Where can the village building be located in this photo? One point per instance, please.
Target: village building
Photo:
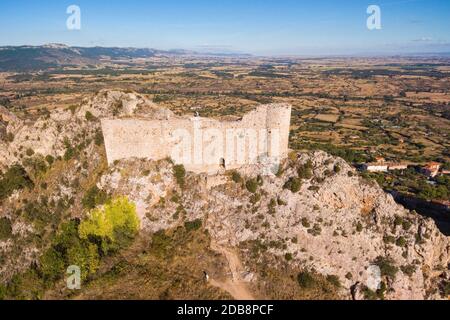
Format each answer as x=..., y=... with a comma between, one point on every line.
x=380, y=165
x=397, y=166
x=431, y=169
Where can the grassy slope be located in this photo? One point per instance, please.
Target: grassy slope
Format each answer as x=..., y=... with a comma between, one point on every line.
x=167, y=266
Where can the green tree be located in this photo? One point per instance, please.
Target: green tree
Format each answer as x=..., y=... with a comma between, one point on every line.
x=85, y=255
x=114, y=225
x=52, y=265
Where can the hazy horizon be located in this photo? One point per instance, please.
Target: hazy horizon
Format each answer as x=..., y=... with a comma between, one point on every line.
x=268, y=28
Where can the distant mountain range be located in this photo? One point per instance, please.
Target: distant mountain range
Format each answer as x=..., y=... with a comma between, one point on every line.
x=34, y=58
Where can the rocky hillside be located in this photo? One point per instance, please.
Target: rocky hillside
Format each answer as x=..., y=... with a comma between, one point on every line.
x=314, y=230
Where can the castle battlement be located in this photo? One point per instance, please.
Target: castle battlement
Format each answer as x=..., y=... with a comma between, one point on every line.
x=203, y=145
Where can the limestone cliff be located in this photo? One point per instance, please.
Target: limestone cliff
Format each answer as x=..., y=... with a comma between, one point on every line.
x=337, y=224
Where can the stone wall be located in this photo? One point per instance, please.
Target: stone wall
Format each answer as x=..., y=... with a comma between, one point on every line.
x=202, y=145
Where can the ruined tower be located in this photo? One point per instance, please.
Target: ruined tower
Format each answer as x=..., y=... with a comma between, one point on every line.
x=203, y=145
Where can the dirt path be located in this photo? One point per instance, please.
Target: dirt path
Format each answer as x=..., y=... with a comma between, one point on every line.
x=235, y=286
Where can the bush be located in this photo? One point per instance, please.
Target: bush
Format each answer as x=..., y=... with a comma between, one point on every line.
x=280, y=202
x=29, y=152
x=369, y=294
x=236, y=177
x=193, y=225
x=114, y=225
x=446, y=289
x=305, y=171
x=306, y=280
x=98, y=138
x=398, y=221
x=252, y=185
x=389, y=239
x=334, y=280
x=52, y=265
x=337, y=168
x=254, y=199
x=70, y=153
x=94, y=197
x=10, y=137
x=50, y=160
x=260, y=180
x=89, y=116
x=36, y=166
x=401, y=242
x=86, y=256
x=359, y=227
x=316, y=230
x=180, y=174
x=3, y=292
x=387, y=267
x=68, y=249
x=406, y=225
x=288, y=257
x=293, y=184
x=5, y=229
x=305, y=223
x=409, y=270
x=15, y=178
x=73, y=109
x=161, y=243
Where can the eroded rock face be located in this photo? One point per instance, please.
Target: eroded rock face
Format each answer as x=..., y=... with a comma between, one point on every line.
x=52, y=135
x=6, y=118
x=338, y=224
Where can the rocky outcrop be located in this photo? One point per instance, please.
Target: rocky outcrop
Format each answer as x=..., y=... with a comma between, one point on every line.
x=337, y=224
x=55, y=133
x=111, y=104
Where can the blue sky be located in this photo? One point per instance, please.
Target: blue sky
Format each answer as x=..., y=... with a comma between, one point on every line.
x=276, y=27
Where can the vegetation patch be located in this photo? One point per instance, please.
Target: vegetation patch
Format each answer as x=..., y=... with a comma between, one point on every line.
x=252, y=185
x=236, y=177
x=16, y=178
x=193, y=225
x=293, y=184
x=113, y=226
x=5, y=229
x=387, y=267
x=180, y=175
x=94, y=197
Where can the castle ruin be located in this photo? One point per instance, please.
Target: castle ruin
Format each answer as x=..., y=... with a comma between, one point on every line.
x=202, y=145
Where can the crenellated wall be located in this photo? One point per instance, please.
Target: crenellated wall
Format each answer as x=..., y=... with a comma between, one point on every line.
x=203, y=145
